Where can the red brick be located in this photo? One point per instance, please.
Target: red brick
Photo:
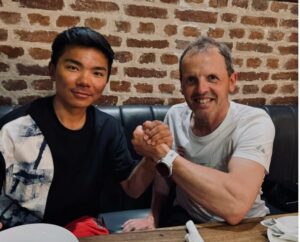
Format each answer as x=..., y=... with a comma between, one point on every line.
x=45, y=4
x=5, y=100
x=14, y=85
x=253, y=62
x=166, y=88
x=158, y=44
x=284, y=100
x=275, y=35
x=173, y=101
x=260, y=5
x=143, y=88
x=42, y=84
x=174, y=75
x=291, y=64
x=181, y=44
x=236, y=33
x=289, y=23
x=95, y=23
x=294, y=9
x=272, y=63
x=36, y=36
x=259, y=21
x=269, y=88
x=285, y=76
x=293, y=37
x=27, y=99
x=3, y=67
x=196, y=16
x=191, y=31
x=144, y=72
x=35, y=18
x=114, y=70
x=237, y=61
x=240, y=3
x=147, y=58
x=250, y=89
x=264, y=48
x=194, y=1
x=123, y=56
x=146, y=28
x=114, y=40
x=251, y=101
x=146, y=11
x=253, y=76
x=10, y=18
x=278, y=6
x=215, y=33
x=120, y=86
x=107, y=100
x=3, y=34
x=169, y=1
x=67, y=21
x=94, y=6
x=218, y=3
x=144, y=101
x=255, y=34
x=11, y=52
x=32, y=70
x=285, y=50
x=39, y=54
x=290, y=88
x=170, y=29
x=229, y=17
x=123, y=26
x=168, y=59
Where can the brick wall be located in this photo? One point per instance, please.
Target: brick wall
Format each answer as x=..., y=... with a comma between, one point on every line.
x=148, y=37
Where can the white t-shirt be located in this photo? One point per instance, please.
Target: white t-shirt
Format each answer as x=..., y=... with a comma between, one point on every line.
x=246, y=132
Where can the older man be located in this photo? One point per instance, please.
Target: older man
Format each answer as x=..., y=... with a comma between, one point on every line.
x=221, y=149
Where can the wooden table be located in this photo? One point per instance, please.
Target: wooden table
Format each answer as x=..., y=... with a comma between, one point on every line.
x=249, y=230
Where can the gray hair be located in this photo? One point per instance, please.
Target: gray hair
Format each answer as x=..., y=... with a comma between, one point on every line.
x=205, y=43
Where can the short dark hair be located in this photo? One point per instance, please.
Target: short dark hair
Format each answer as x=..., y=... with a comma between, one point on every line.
x=205, y=43
x=81, y=36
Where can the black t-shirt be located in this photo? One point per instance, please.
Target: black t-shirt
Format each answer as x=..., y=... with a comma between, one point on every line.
x=81, y=160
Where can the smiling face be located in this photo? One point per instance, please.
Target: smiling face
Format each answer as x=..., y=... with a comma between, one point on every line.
x=206, y=85
x=81, y=75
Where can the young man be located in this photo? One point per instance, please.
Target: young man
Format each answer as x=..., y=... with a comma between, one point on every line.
x=223, y=148
x=55, y=151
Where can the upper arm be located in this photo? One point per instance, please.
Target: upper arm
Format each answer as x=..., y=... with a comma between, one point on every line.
x=248, y=175
x=255, y=140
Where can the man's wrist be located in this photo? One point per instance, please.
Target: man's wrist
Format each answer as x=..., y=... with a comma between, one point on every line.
x=164, y=165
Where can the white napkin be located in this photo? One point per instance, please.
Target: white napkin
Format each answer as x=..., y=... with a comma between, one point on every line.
x=284, y=228
x=193, y=234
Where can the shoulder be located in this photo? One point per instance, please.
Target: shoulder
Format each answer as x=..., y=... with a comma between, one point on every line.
x=103, y=119
x=252, y=119
x=247, y=113
x=179, y=109
x=18, y=112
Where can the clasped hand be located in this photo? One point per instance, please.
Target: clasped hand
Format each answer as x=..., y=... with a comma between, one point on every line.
x=153, y=139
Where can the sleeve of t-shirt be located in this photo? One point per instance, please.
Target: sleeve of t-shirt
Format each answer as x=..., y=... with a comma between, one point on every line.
x=255, y=137
x=123, y=163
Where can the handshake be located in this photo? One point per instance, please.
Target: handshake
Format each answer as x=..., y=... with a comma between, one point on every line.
x=152, y=140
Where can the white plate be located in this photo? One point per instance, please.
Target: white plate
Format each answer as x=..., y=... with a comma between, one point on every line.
x=290, y=221
x=37, y=233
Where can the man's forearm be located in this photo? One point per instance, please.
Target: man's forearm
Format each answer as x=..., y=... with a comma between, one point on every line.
x=140, y=178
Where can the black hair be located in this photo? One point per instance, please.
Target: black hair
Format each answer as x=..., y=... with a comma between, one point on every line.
x=204, y=43
x=81, y=36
